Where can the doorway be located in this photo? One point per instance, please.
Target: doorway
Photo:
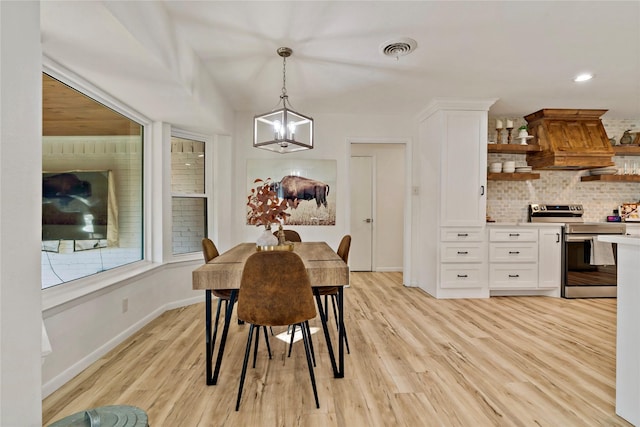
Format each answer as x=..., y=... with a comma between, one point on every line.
x=377, y=198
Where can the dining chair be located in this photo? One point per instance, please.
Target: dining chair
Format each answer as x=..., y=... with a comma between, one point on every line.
x=289, y=235
x=275, y=290
x=332, y=291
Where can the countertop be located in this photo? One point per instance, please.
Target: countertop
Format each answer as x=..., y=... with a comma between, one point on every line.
x=625, y=240
x=525, y=224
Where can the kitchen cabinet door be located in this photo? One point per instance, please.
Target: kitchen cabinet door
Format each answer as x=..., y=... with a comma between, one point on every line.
x=464, y=167
x=550, y=258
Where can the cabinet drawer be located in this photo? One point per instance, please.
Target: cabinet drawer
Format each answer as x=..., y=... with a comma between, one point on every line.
x=461, y=276
x=461, y=234
x=513, y=252
x=461, y=252
x=513, y=235
x=513, y=276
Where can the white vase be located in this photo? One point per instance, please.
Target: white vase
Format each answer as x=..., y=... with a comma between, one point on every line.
x=267, y=238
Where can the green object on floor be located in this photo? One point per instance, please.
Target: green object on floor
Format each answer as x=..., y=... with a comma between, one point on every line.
x=106, y=416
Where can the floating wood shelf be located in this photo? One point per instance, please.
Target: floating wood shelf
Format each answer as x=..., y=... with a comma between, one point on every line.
x=512, y=148
x=611, y=178
x=514, y=176
x=626, y=150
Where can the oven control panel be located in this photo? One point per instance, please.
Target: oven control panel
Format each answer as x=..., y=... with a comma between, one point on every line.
x=555, y=213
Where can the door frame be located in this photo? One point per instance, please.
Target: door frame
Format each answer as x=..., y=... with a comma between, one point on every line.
x=406, y=238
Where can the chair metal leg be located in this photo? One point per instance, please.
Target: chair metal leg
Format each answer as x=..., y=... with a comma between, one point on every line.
x=291, y=328
x=255, y=348
x=244, y=366
x=293, y=332
x=266, y=338
x=313, y=354
x=305, y=338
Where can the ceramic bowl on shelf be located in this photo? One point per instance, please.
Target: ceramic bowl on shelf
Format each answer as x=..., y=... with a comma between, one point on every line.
x=524, y=169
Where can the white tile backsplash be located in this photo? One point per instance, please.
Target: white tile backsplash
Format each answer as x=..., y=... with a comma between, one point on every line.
x=508, y=201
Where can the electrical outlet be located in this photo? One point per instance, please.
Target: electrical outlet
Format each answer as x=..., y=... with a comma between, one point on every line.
x=125, y=305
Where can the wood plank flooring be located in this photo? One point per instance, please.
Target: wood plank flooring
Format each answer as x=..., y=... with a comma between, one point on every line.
x=415, y=361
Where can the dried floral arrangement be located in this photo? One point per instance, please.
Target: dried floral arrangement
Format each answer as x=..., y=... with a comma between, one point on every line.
x=265, y=206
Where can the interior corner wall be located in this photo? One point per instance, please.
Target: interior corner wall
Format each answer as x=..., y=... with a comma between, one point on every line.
x=20, y=185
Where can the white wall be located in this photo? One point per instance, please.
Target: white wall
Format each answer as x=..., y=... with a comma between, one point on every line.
x=332, y=134
x=20, y=185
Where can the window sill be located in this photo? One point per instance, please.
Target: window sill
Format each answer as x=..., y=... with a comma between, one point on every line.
x=59, y=295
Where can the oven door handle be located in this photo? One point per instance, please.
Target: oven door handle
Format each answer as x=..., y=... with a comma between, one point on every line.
x=578, y=237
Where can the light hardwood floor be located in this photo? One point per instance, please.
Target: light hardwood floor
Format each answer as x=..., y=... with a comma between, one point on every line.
x=415, y=361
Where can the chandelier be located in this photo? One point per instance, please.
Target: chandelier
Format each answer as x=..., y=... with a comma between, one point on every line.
x=283, y=130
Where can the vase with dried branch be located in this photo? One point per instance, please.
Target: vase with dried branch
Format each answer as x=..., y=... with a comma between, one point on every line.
x=266, y=208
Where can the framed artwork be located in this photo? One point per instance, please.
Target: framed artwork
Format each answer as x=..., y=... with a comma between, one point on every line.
x=310, y=185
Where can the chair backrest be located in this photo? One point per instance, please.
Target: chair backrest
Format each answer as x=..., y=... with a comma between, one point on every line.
x=209, y=250
x=343, y=248
x=290, y=235
x=275, y=290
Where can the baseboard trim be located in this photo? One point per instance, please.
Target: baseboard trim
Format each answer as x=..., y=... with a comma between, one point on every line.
x=82, y=364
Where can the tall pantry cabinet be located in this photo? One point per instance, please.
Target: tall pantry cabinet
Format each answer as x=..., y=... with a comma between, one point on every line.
x=452, y=163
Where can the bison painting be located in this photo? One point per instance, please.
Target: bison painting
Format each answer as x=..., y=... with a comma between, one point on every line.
x=297, y=188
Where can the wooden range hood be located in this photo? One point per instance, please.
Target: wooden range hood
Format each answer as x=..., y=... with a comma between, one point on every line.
x=570, y=139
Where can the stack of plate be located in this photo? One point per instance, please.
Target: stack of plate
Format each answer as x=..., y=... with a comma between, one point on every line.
x=523, y=169
x=610, y=170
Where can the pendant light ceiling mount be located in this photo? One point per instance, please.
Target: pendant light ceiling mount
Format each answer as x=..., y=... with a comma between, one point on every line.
x=283, y=130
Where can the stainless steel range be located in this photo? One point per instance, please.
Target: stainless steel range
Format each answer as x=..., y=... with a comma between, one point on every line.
x=588, y=266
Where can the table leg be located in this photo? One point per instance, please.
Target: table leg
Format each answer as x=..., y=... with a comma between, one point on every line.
x=207, y=327
x=340, y=373
x=323, y=319
x=225, y=332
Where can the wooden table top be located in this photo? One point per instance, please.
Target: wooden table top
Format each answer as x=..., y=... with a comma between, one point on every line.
x=323, y=264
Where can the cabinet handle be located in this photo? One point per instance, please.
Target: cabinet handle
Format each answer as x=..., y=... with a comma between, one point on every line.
x=463, y=234
x=557, y=237
x=482, y=190
x=462, y=276
x=514, y=275
x=514, y=234
x=463, y=252
x=514, y=252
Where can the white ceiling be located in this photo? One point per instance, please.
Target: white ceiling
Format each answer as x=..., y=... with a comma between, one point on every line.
x=524, y=53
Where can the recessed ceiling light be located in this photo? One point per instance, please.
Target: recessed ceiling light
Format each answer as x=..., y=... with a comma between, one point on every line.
x=583, y=77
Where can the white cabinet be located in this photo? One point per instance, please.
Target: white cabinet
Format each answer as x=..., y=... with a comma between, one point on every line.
x=513, y=258
x=525, y=260
x=451, y=163
x=462, y=258
x=550, y=258
x=463, y=169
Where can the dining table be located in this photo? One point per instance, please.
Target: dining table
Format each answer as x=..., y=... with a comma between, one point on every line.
x=224, y=272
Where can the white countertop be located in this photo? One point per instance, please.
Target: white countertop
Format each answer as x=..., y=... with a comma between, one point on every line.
x=625, y=240
x=525, y=224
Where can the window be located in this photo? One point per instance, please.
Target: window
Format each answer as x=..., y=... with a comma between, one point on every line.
x=92, y=206
x=188, y=192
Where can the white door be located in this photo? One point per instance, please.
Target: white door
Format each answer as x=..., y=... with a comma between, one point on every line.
x=361, y=251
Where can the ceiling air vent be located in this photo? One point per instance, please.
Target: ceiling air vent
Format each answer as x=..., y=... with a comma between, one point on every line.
x=398, y=48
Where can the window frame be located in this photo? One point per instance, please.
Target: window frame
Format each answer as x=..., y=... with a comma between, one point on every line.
x=207, y=195
x=65, y=292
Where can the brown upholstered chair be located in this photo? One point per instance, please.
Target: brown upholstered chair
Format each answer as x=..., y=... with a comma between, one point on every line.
x=332, y=291
x=289, y=235
x=275, y=291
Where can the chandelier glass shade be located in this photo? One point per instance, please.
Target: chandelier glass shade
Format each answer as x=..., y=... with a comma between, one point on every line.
x=283, y=130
